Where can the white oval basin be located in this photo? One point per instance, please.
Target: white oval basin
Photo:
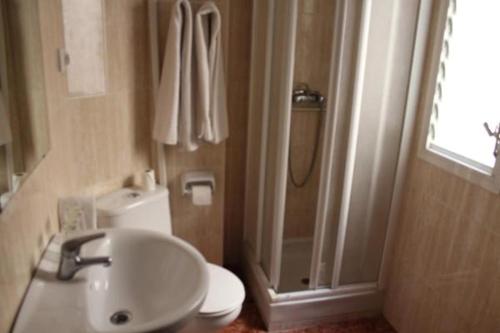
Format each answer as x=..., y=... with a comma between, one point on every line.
x=156, y=283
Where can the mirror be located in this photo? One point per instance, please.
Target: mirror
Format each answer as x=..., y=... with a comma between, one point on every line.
x=24, y=134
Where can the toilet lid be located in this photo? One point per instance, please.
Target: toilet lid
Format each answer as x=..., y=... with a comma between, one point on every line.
x=225, y=292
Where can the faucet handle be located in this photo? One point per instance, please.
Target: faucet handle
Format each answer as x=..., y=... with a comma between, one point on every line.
x=74, y=245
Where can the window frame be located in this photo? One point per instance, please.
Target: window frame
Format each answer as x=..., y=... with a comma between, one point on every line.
x=436, y=19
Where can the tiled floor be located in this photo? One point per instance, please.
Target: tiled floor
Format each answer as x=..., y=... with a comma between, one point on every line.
x=249, y=321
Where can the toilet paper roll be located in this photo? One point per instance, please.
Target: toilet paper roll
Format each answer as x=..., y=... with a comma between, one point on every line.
x=201, y=195
x=149, y=180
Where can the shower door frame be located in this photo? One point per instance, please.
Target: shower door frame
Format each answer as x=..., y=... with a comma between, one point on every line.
x=295, y=309
x=255, y=255
x=328, y=153
x=284, y=129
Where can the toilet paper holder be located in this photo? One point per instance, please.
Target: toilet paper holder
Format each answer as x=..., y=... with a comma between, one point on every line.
x=197, y=178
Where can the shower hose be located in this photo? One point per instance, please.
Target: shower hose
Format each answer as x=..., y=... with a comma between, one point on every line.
x=293, y=178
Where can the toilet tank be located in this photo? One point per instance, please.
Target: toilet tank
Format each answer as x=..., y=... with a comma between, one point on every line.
x=134, y=208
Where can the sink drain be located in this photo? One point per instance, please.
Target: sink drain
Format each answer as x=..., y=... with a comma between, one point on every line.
x=121, y=317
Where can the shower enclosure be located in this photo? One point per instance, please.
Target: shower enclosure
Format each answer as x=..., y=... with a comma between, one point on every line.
x=327, y=112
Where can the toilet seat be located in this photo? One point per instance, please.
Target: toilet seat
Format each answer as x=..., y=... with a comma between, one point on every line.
x=226, y=293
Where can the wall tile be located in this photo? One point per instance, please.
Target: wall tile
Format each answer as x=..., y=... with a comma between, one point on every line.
x=97, y=143
x=101, y=143
x=447, y=247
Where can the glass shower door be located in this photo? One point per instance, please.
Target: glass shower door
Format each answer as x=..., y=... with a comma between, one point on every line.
x=331, y=89
x=311, y=77
x=276, y=128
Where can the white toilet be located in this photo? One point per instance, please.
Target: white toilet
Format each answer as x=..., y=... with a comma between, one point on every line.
x=132, y=208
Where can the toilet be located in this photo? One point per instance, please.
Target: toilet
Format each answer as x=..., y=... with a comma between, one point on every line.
x=134, y=208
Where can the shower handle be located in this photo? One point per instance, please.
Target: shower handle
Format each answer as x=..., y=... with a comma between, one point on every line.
x=302, y=94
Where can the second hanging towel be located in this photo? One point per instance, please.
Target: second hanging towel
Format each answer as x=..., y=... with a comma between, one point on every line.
x=211, y=108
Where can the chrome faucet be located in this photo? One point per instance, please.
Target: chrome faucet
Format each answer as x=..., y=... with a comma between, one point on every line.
x=71, y=262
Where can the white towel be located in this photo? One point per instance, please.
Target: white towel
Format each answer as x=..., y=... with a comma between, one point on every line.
x=5, y=133
x=174, y=115
x=211, y=111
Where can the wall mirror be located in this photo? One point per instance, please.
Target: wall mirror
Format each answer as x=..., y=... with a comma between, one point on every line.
x=24, y=132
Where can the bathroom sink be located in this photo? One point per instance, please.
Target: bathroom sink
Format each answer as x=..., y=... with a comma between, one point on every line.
x=156, y=283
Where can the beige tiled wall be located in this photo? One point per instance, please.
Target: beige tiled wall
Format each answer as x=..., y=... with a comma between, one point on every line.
x=217, y=230
x=103, y=142
x=238, y=65
x=446, y=267
x=201, y=226
x=97, y=143
x=100, y=143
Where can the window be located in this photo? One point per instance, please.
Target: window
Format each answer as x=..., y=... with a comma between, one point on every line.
x=464, y=106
